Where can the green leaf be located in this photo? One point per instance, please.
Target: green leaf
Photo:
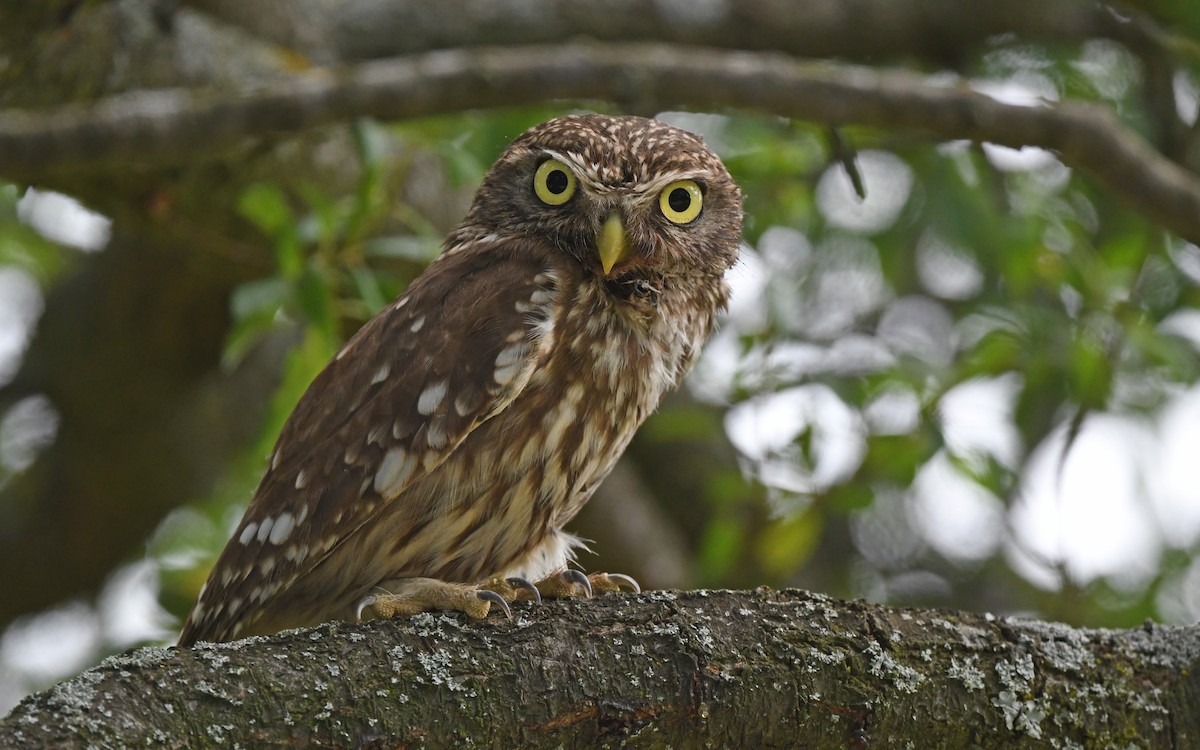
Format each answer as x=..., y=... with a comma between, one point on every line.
x=267, y=208
x=366, y=283
x=317, y=305
x=1089, y=372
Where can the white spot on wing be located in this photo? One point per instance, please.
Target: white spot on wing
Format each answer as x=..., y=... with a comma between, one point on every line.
x=395, y=469
x=512, y=354
x=504, y=375
x=431, y=398
x=248, y=532
x=264, y=529
x=417, y=324
x=282, y=528
x=381, y=374
x=301, y=479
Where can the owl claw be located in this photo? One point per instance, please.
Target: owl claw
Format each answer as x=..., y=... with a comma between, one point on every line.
x=622, y=580
x=488, y=595
x=363, y=603
x=523, y=584
x=579, y=579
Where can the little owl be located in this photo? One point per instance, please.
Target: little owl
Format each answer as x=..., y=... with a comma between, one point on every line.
x=436, y=459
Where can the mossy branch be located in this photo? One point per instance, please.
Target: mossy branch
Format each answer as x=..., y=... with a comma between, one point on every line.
x=679, y=669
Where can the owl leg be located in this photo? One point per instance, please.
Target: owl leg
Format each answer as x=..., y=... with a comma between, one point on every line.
x=410, y=596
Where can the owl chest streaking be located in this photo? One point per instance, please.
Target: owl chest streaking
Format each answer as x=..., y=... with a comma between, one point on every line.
x=461, y=428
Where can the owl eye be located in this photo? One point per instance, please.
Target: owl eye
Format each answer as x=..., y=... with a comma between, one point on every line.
x=554, y=183
x=681, y=201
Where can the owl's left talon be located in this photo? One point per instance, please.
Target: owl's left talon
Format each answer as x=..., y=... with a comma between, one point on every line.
x=488, y=595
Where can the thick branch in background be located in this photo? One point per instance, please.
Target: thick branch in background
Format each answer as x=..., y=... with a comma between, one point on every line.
x=940, y=31
x=75, y=51
x=177, y=125
x=696, y=669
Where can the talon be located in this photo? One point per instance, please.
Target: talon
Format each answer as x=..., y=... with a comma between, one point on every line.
x=523, y=584
x=622, y=579
x=488, y=595
x=366, y=601
x=579, y=579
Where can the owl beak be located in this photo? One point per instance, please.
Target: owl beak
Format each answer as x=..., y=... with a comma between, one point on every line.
x=612, y=242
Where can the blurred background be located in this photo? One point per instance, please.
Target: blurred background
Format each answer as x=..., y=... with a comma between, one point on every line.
x=952, y=374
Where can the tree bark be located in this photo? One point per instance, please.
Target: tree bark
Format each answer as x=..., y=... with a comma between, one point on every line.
x=678, y=669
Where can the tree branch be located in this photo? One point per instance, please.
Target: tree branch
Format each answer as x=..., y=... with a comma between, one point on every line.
x=177, y=125
x=696, y=669
x=937, y=31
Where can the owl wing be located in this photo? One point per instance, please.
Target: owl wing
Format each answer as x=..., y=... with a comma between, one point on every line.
x=454, y=350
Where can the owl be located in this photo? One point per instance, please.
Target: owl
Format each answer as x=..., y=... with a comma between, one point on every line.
x=435, y=461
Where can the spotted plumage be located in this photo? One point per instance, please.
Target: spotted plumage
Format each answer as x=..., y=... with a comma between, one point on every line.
x=459, y=430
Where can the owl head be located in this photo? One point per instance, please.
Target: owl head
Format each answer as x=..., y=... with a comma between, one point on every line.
x=622, y=195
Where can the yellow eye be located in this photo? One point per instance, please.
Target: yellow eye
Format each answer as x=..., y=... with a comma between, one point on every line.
x=554, y=183
x=681, y=201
